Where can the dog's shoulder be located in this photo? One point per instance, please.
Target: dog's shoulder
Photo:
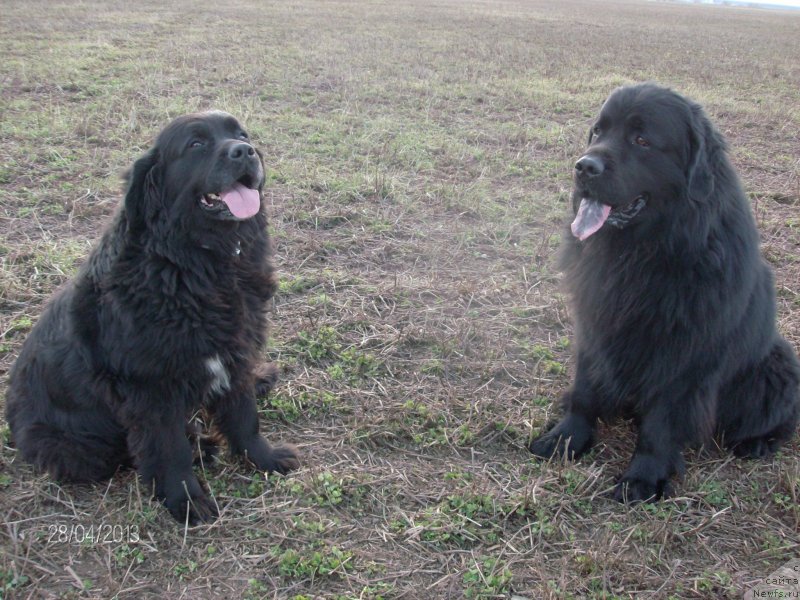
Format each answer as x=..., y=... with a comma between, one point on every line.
x=107, y=250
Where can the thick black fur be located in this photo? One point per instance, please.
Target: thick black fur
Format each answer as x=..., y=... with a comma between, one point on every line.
x=166, y=317
x=674, y=309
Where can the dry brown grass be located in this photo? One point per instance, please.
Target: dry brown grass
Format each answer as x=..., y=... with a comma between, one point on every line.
x=419, y=161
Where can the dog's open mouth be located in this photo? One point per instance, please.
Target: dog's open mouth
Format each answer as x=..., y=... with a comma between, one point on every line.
x=240, y=201
x=593, y=214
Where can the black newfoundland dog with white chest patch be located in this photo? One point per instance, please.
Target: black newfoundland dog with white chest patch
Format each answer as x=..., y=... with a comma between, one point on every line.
x=166, y=317
x=674, y=306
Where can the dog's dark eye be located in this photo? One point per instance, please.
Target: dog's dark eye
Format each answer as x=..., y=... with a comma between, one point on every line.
x=244, y=135
x=595, y=130
x=195, y=143
x=641, y=141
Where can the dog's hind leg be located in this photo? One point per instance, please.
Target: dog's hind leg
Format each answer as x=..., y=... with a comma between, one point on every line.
x=759, y=408
x=72, y=457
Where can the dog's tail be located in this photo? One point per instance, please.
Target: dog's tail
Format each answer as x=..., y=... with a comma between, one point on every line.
x=68, y=457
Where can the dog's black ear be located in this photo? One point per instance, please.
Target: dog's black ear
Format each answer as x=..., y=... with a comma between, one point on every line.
x=144, y=190
x=263, y=169
x=702, y=140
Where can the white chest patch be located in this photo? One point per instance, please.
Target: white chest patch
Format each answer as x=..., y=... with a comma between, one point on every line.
x=220, y=378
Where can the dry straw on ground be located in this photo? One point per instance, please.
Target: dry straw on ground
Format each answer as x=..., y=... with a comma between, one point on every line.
x=419, y=160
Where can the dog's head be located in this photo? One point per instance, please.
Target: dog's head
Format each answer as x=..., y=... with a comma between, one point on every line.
x=202, y=174
x=648, y=150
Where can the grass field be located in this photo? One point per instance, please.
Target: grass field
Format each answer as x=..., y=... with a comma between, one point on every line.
x=419, y=160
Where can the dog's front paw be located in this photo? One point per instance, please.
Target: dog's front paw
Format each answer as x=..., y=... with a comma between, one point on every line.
x=188, y=502
x=571, y=437
x=548, y=445
x=281, y=458
x=194, y=511
x=647, y=478
x=632, y=490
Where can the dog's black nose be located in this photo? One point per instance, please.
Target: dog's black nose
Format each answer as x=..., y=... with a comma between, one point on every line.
x=589, y=166
x=241, y=151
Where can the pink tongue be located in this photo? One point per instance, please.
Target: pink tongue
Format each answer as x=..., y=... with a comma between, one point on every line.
x=242, y=201
x=591, y=216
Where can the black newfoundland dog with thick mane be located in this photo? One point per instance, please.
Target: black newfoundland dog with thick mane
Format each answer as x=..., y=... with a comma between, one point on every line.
x=166, y=317
x=674, y=306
